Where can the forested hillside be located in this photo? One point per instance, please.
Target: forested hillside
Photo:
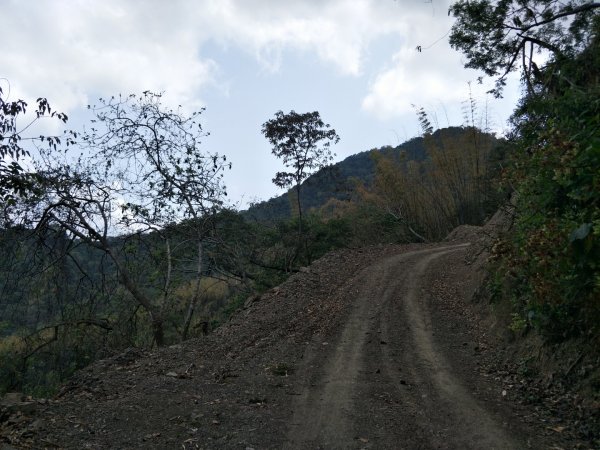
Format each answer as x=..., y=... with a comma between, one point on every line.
x=337, y=181
x=341, y=180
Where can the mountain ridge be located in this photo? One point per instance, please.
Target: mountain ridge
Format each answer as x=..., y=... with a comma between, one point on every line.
x=338, y=180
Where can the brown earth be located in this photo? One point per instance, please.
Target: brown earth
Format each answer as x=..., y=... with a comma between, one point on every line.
x=377, y=348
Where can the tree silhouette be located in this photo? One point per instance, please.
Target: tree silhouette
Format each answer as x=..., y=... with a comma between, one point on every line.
x=15, y=180
x=302, y=142
x=498, y=36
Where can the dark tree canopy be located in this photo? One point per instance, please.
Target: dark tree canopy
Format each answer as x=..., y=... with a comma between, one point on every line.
x=499, y=36
x=302, y=141
x=15, y=180
x=553, y=249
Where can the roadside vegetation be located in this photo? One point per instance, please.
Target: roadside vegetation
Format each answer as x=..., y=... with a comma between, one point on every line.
x=548, y=266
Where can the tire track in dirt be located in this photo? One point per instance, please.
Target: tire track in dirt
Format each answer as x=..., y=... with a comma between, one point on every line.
x=453, y=417
x=320, y=416
x=358, y=399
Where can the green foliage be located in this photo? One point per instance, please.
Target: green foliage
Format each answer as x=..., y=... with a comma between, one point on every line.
x=497, y=36
x=10, y=374
x=518, y=323
x=455, y=184
x=42, y=289
x=551, y=259
x=424, y=121
x=234, y=304
x=336, y=182
x=302, y=142
x=61, y=351
x=555, y=252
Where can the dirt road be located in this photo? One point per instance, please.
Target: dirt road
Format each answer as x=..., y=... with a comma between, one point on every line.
x=368, y=348
x=385, y=382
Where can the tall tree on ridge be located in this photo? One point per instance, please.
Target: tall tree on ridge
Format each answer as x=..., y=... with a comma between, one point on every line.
x=302, y=142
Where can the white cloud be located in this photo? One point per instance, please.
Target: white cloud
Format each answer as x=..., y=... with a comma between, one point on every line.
x=339, y=32
x=434, y=78
x=407, y=82
x=73, y=49
x=438, y=84
x=424, y=71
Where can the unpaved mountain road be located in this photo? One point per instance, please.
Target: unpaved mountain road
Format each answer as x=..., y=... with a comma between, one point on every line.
x=373, y=348
x=385, y=381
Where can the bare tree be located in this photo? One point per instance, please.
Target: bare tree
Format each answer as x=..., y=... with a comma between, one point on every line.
x=145, y=170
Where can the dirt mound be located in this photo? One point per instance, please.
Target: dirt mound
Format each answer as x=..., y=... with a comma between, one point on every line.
x=464, y=233
x=499, y=223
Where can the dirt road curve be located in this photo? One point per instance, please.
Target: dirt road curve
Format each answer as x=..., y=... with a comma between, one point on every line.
x=386, y=351
x=375, y=348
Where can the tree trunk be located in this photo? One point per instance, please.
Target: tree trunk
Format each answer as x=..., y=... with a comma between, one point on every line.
x=167, y=286
x=299, y=211
x=142, y=299
x=194, y=300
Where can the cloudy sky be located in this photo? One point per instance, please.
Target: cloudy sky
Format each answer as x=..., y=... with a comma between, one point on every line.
x=354, y=61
